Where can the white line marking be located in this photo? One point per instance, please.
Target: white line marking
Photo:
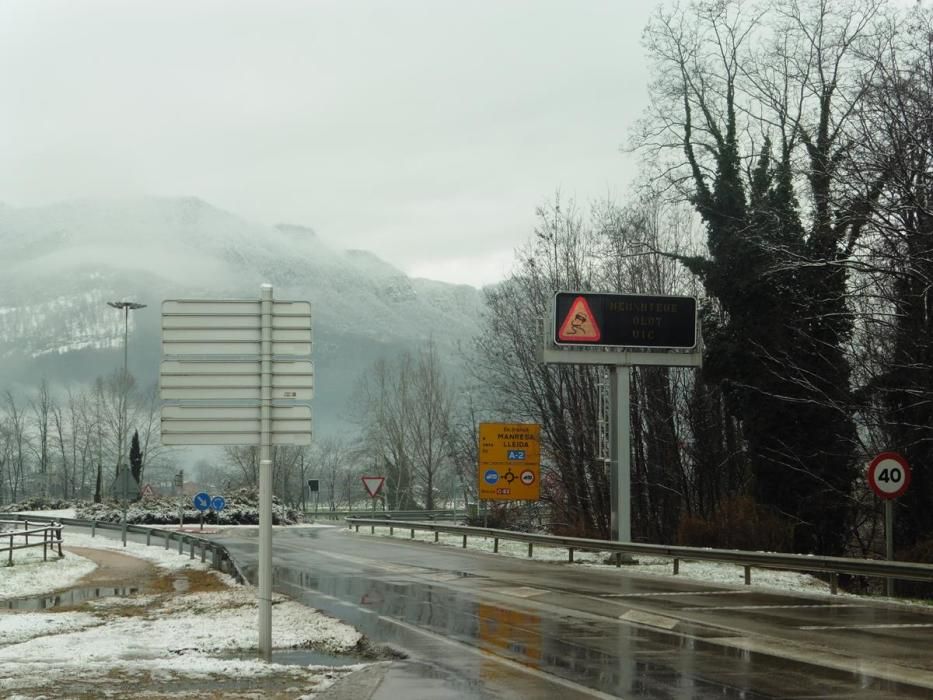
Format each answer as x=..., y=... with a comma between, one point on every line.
x=647, y=595
x=646, y=618
x=867, y=627
x=772, y=607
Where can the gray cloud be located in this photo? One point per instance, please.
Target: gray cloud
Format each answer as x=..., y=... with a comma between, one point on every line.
x=426, y=131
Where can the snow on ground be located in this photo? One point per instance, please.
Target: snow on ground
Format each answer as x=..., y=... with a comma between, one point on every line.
x=190, y=643
x=708, y=572
x=29, y=575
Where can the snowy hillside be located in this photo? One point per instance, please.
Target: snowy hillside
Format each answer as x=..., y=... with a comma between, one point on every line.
x=60, y=264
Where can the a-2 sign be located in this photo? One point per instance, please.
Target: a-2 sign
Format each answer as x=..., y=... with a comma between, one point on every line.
x=889, y=475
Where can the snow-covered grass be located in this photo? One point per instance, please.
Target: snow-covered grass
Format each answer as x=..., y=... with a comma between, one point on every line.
x=168, y=642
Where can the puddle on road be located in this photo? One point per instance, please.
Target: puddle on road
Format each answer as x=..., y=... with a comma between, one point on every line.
x=72, y=596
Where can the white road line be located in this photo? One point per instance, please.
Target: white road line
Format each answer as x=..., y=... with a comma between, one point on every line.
x=646, y=618
x=677, y=593
x=773, y=607
x=868, y=627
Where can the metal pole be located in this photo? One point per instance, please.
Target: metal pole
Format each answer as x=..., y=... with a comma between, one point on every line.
x=889, y=542
x=265, y=476
x=620, y=478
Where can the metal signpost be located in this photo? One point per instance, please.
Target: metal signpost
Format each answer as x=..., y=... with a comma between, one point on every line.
x=889, y=477
x=179, y=490
x=509, y=462
x=202, y=501
x=239, y=372
x=126, y=486
x=622, y=331
x=314, y=488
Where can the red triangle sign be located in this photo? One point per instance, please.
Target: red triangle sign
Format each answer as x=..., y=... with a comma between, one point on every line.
x=373, y=484
x=580, y=325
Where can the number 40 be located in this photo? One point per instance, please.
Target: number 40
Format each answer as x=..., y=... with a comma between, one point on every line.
x=892, y=476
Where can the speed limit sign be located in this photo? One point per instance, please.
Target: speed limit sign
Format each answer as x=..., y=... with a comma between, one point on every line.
x=889, y=475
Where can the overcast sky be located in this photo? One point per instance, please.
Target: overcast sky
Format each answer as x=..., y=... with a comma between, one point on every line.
x=425, y=131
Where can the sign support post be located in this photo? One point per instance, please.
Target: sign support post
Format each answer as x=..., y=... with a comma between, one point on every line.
x=889, y=542
x=621, y=331
x=889, y=476
x=620, y=446
x=265, y=475
x=239, y=372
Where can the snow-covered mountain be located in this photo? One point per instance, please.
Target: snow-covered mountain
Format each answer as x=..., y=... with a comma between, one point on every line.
x=60, y=264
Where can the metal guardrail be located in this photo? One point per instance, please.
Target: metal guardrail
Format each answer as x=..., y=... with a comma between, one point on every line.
x=747, y=559
x=440, y=514
x=47, y=537
x=220, y=557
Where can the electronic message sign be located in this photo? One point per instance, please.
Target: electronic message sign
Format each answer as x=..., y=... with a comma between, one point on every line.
x=625, y=320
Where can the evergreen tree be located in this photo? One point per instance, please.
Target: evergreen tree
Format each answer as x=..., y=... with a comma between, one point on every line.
x=136, y=457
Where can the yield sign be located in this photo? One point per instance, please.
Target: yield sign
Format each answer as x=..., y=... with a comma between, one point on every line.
x=580, y=324
x=373, y=484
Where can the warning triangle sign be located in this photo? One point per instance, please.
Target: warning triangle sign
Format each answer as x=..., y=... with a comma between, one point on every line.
x=580, y=325
x=373, y=484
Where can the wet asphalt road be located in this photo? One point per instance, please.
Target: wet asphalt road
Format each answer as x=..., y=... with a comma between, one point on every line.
x=477, y=625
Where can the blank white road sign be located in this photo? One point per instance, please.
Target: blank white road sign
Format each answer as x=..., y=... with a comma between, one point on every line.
x=211, y=380
x=233, y=425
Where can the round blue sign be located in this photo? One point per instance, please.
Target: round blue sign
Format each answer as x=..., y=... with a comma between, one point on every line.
x=202, y=501
x=218, y=503
x=491, y=476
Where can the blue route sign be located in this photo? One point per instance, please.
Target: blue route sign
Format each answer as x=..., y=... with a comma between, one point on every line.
x=491, y=476
x=218, y=503
x=517, y=454
x=202, y=501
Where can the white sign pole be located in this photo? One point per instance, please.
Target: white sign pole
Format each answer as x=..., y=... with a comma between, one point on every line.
x=265, y=477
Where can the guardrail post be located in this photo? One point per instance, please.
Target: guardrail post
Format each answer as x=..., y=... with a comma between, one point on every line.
x=167, y=536
x=464, y=541
x=27, y=533
x=372, y=529
x=570, y=555
x=531, y=546
x=181, y=544
x=93, y=528
x=202, y=552
x=45, y=544
x=834, y=583
x=618, y=559
x=148, y=537
x=437, y=535
x=676, y=566
x=191, y=556
x=60, y=555
x=357, y=527
x=10, y=562
x=495, y=545
x=123, y=529
x=413, y=533
x=748, y=575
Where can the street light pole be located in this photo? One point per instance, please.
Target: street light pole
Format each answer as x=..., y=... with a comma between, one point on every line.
x=127, y=306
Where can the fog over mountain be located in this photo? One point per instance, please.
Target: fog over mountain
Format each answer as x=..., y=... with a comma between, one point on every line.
x=61, y=264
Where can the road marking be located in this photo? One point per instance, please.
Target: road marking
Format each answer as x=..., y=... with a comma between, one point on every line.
x=524, y=591
x=647, y=595
x=773, y=607
x=645, y=618
x=868, y=627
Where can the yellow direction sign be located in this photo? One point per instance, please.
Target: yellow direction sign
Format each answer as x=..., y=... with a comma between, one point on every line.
x=509, y=461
